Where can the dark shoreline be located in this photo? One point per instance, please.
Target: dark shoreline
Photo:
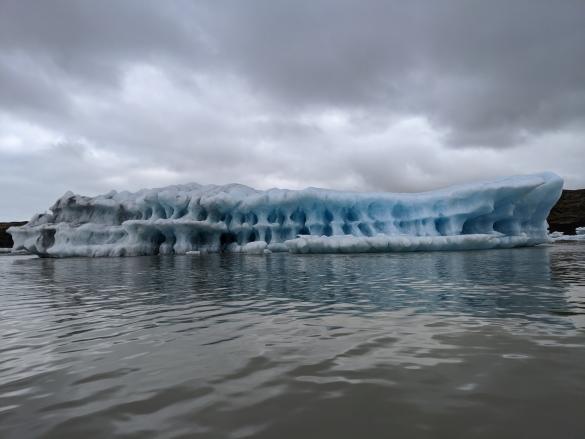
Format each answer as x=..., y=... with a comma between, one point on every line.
x=568, y=213
x=5, y=238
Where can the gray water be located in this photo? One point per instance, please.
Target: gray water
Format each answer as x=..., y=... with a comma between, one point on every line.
x=440, y=345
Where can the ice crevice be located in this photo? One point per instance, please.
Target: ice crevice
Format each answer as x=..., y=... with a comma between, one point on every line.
x=507, y=212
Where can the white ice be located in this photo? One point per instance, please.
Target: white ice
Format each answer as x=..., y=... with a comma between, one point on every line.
x=560, y=236
x=507, y=212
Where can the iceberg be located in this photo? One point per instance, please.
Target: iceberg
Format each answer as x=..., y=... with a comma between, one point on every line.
x=196, y=219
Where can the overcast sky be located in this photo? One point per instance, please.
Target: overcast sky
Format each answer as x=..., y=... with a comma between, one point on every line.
x=362, y=95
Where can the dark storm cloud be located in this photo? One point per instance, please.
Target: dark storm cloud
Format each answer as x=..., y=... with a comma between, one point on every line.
x=82, y=44
x=382, y=95
x=487, y=71
x=80, y=35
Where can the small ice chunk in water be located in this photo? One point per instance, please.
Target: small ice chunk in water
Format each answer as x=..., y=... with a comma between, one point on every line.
x=255, y=248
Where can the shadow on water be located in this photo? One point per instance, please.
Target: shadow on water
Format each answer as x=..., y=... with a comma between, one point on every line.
x=444, y=344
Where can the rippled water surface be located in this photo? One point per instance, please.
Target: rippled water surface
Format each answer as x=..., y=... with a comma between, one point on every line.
x=460, y=344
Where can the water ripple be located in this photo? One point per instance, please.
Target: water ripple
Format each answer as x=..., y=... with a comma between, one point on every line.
x=420, y=344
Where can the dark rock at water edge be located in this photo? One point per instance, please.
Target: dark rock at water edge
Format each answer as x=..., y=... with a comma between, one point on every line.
x=5, y=238
x=568, y=213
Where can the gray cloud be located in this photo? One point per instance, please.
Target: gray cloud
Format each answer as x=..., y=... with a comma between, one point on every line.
x=372, y=95
x=487, y=71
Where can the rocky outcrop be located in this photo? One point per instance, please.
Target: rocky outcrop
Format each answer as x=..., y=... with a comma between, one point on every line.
x=5, y=238
x=568, y=213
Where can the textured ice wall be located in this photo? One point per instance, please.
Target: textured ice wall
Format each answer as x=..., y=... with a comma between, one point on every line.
x=507, y=212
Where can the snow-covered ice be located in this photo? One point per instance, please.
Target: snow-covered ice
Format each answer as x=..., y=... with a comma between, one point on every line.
x=507, y=212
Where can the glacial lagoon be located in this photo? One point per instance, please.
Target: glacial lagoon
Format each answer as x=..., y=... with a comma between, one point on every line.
x=443, y=344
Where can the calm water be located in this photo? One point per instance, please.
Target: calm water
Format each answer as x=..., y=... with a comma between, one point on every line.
x=463, y=344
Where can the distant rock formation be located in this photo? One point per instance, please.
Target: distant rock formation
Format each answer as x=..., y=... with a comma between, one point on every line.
x=568, y=213
x=5, y=238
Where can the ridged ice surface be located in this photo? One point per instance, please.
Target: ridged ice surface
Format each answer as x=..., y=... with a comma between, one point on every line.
x=508, y=212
